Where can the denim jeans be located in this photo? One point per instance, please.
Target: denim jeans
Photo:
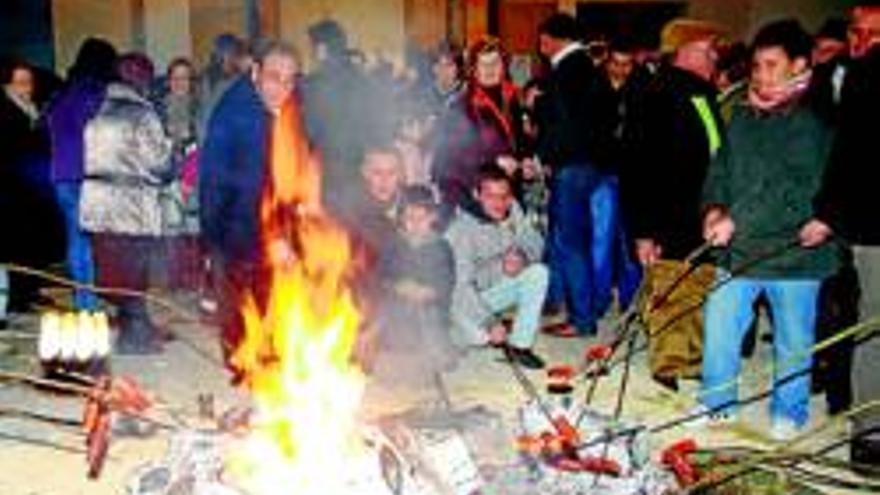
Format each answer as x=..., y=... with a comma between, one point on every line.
x=526, y=292
x=80, y=261
x=581, y=248
x=728, y=314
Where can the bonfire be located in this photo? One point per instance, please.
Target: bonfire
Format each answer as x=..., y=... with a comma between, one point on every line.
x=296, y=355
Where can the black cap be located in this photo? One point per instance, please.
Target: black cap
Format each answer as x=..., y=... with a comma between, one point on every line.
x=561, y=26
x=834, y=28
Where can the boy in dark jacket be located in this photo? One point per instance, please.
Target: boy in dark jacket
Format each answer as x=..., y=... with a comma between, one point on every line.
x=418, y=275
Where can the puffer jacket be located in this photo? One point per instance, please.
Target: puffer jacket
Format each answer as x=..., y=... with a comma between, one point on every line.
x=127, y=160
x=479, y=245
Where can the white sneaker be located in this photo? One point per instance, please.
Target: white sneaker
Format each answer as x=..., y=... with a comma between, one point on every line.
x=715, y=419
x=784, y=430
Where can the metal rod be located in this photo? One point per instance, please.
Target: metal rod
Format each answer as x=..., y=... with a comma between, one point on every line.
x=621, y=394
x=58, y=385
x=736, y=271
x=53, y=420
x=527, y=385
x=626, y=319
x=41, y=443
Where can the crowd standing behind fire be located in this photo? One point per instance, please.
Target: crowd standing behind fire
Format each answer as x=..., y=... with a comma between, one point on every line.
x=484, y=208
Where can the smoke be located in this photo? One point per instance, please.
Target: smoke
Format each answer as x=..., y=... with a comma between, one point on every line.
x=372, y=126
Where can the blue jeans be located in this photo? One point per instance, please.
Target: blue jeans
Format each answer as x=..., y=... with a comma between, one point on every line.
x=526, y=292
x=80, y=262
x=728, y=314
x=584, y=228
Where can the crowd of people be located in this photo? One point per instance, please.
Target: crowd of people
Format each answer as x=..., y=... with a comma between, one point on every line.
x=486, y=207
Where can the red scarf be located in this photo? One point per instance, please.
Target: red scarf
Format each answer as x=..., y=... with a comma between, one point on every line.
x=480, y=101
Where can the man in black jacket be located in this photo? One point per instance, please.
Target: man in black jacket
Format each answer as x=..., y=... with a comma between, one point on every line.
x=679, y=131
x=575, y=134
x=846, y=207
x=676, y=133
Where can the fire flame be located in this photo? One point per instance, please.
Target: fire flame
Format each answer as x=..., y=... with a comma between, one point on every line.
x=296, y=353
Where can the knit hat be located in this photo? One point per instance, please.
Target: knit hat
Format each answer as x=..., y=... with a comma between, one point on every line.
x=681, y=31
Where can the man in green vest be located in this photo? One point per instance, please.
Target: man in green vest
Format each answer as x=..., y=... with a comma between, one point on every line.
x=676, y=132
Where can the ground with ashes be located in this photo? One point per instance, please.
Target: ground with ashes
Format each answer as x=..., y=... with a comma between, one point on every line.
x=187, y=369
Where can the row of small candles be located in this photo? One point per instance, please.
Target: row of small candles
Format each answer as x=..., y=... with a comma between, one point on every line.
x=74, y=337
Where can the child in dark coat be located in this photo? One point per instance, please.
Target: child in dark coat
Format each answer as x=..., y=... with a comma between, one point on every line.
x=418, y=276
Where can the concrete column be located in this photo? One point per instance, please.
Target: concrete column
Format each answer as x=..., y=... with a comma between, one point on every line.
x=208, y=18
x=75, y=20
x=167, y=31
x=476, y=20
x=375, y=27
x=270, y=17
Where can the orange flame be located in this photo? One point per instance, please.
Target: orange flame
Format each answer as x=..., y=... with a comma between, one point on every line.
x=296, y=353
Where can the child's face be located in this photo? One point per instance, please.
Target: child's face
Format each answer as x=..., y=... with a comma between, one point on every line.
x=418, y=220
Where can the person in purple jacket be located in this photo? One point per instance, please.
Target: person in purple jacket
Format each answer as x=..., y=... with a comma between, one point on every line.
x=69, y=112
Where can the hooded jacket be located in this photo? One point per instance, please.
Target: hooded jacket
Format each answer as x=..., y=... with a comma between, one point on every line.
x=479, y=245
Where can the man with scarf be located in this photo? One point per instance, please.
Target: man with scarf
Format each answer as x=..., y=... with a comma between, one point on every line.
x=482, y=126
x=757, y=196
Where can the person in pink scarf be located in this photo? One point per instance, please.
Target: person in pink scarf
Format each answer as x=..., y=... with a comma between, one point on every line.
x=758, y=196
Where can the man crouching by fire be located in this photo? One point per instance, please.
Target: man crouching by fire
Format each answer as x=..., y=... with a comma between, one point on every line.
x=496, y=253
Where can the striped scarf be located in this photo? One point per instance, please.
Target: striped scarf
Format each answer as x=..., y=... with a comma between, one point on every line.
x=775, y=98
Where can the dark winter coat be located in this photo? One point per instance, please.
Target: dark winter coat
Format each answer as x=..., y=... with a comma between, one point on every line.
x=767, y=174
x=575, y=119
x=417, y=327
x=231, y=173
x=342, y=112
x=67, y=115
x=31, y=224
x=481, y=126
x=672, y=151
x=849, y=193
